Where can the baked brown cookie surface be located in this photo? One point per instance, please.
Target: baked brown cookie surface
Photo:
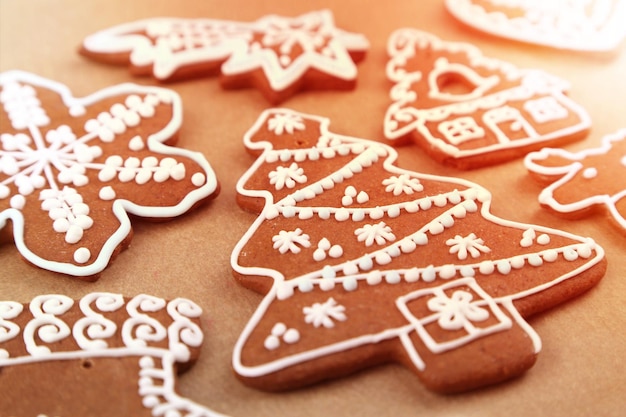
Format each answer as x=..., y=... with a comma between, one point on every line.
x=361, y=263
x=468, y=110
x=72, y=170
x=278, y=55
x=102, y=355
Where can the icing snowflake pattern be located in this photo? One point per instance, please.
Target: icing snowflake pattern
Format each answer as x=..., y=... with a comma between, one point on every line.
x=291, y=241
x=370, y=233
x=469, y=244
x=288, y=123
x=417, y=267
x=55, y=165
x=287, y=176
x=402, y=184
x=324, y=314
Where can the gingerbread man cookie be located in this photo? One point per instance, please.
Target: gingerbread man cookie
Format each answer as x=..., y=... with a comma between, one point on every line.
x=583, y=25
x=361, y=263
x=583, y=181
x=467, y=110
x=279, y=55
x=127, y=351
x=73, y=169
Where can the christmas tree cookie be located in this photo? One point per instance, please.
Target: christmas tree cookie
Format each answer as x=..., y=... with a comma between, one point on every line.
x=361, y=262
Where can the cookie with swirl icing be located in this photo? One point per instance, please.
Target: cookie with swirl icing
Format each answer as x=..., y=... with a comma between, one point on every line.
x=361, y=262
x=72, y=170
x=112, y=355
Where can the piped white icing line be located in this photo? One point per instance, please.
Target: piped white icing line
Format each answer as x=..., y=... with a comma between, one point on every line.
x=406, y=114
x=452, y=312
x=584, y=25
x=93, y=333
x=264, y=44
x=27, y=159
x=579, y=168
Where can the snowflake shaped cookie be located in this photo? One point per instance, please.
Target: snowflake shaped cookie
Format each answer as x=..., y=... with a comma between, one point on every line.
x=468, y=110
x=279, y=55
x=585, y=25
x=71, y=170
x=581, y=181
x=77, y=339
x=417, y=270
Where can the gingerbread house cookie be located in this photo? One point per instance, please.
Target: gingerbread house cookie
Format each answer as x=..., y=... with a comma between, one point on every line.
x=583, y=25
x=468, y=110
x=127, y=351
x=581, y=182
x=72, y=170
x=361, y=263
x=278, y=55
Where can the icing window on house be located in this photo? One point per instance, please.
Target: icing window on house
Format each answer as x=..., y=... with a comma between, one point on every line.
x=545, y=109
x=461, y=130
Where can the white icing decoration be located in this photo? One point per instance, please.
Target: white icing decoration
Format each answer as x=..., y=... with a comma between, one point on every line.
x=583, y=165
x=291, y=241
x=447, y=121
x=285, y=123
x=182, y=42
x=45, y=160
x=82, y=255
x=379, y=233
x=400, y=257
x=469, y=244
x=287, y=176
x=97, y=336
x=324, y=314
x=577, y=25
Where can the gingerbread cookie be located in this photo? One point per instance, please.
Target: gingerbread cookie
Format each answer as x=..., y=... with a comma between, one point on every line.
x=467, y=110
x=363, y=263
x=279, y=55
x=112, y=356
x=584, y=25
x=583, y=181
x=73, y=169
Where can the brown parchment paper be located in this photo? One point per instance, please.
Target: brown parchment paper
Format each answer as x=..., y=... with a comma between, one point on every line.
x=580, y=370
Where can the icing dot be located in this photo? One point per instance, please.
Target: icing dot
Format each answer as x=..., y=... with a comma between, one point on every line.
x=412, y=275
x=392, y=277
x=550, y=255
x=82, y=255
x=136, y=143
x=383, y=258
x=342, y=214
x=543, y=239
x=291, y=336
x=335, y=251
x=279, y=329
x=584, y=251
x=350, y=268
x=17, y=201
x=305, y=285
x=284, y=291
x=486, y=267
x=429, y=274
x=467, y=271
x=570, y=254
x=535, y=260
x=366, y=263
x=407, y=246
x=350, y=284
x=590, y=173
x=518, y=262
x=327, y=284
x=374, y=278
x=447, y=271
x=271, y=342
x=503, y=266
